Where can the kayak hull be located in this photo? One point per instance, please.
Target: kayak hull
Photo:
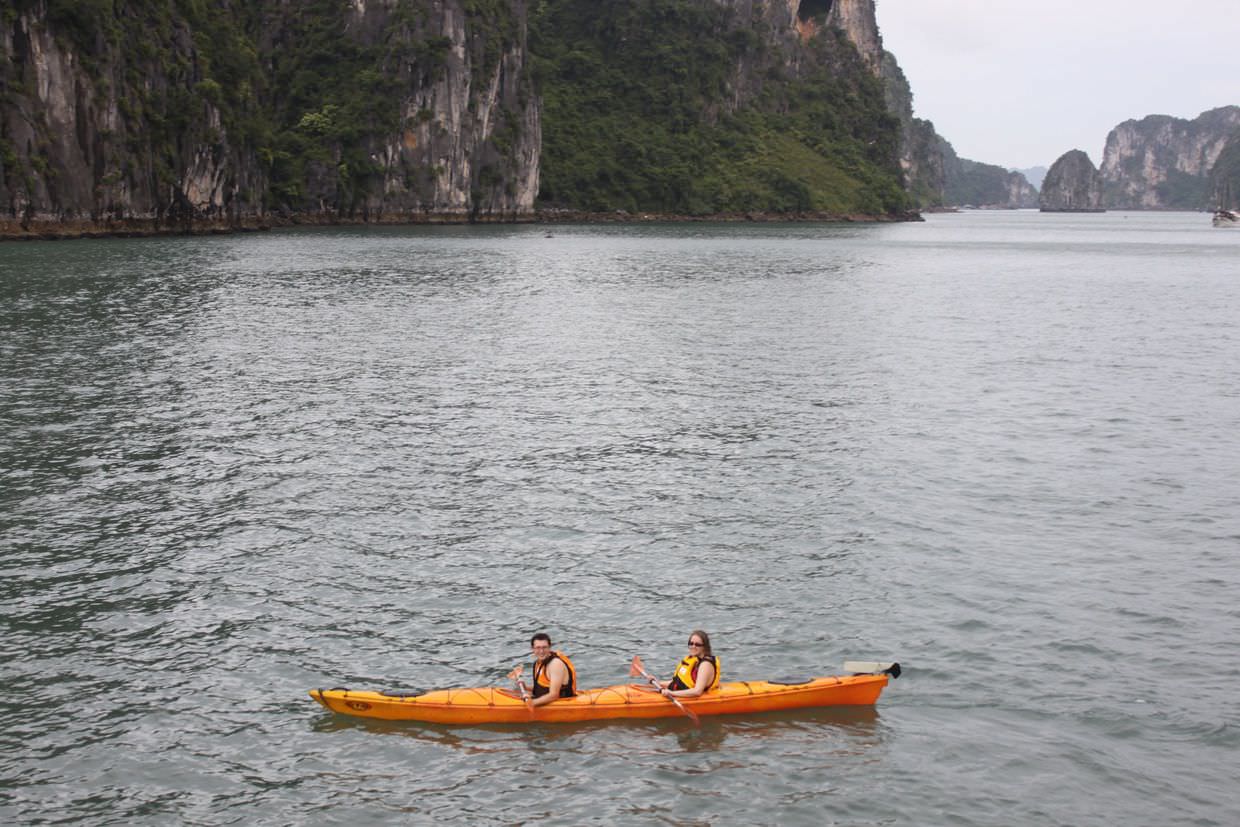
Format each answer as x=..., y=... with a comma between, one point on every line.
x=489, y=705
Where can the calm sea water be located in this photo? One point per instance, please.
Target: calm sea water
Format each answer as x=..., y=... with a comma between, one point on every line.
x=1001, y=448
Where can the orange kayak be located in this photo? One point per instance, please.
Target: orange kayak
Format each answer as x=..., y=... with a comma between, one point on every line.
x=492, y=706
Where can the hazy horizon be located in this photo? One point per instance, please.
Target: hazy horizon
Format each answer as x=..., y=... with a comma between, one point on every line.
x=1011, y=84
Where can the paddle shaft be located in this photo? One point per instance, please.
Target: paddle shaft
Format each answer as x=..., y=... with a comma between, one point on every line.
x=655, y=683
x=515, y=677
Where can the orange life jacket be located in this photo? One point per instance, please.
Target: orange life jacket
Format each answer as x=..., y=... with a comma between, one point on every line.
x=541, y=683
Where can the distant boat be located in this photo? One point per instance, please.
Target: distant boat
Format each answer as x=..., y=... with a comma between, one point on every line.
x=1226, y=218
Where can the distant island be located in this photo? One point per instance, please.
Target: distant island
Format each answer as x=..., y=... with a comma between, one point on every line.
x=1072, y=184
x=1034, y=175
x=1156, y=163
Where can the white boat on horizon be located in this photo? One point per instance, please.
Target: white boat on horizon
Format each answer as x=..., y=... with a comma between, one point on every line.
x=1226, y=218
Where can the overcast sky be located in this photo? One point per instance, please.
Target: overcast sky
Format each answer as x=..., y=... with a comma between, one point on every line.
x=1020, y=83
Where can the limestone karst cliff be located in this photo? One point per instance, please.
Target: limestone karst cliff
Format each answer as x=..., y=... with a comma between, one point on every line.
x=725, y=106
x=127, y=116
x=1073, y=184
x=921, y=158
x=1034, y=175
x=1160, y=162
x=934, y=174
x=97, y=127
x=924, y=167
x=969, y=183
x=119, y=116
x=1225, y=177
x=1021, y=194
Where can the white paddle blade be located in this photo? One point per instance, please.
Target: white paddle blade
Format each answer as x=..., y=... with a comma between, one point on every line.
x=862, y=667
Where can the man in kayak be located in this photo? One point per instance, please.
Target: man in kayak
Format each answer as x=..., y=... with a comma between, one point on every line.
x=554, y=674
x=697, y=673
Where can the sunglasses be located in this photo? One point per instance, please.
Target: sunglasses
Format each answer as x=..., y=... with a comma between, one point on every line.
x=696, y=643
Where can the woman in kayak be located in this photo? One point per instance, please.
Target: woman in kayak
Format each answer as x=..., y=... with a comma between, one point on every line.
x=697, y=673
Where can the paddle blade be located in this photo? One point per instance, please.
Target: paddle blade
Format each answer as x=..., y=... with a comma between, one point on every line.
x=515, y=677
x=692, y=715
x=635, y=667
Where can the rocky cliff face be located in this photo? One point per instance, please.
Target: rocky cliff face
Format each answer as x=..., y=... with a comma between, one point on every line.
x=79, y=136
x=1034, y=176
x=698, y=107
x=972, y=184
x=1160, y=162
x=933, y=174
x=789, y=20
x=1021, y=194
x=1225, y=177
x=196, y=115
x=859, y=22
x=203, y=114
x=807, y=18
x=923, y=166
x=922, y=161
x=465, y=143
x=1073, y=184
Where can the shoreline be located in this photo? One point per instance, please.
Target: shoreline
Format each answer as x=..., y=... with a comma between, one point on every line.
x=552, y=216
x=52, y=230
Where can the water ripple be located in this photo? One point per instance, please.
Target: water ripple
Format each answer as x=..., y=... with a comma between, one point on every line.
x=999, y=448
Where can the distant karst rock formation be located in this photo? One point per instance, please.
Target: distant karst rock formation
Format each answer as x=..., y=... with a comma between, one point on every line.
x=1225, y=177
x=934, y=174
x=1073, y=184
x=1034, y=175
x=973, y=184
x=1022, y=193
x=1162, y=163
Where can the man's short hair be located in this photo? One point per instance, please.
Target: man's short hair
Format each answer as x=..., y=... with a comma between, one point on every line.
x=540, y=636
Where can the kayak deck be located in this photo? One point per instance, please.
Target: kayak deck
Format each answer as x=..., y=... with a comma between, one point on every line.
x=491, y=705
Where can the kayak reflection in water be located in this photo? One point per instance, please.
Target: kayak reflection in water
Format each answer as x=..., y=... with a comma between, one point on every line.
x=697, y=673
x=554, y=675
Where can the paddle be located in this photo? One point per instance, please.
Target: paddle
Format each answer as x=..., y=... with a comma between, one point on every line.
x=515, y=677
x=637, y=670
x=866, y=667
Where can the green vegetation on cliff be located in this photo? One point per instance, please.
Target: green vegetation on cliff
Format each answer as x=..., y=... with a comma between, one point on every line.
x=673, y=106
x=1225, y=176
x=335, y=93
x=164, y=64
x=637, y=114
x=976, y=184
x=342, y=92
x=302, y=105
